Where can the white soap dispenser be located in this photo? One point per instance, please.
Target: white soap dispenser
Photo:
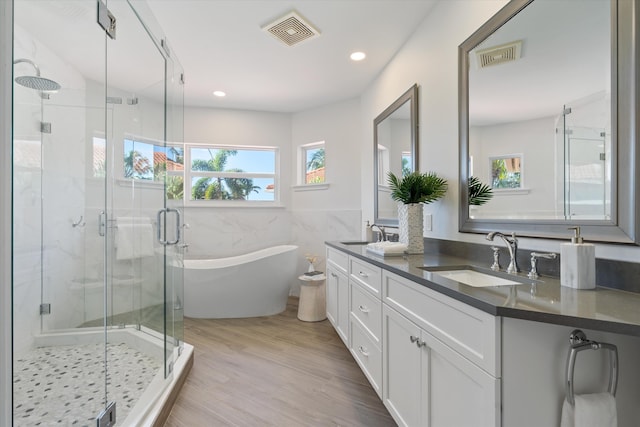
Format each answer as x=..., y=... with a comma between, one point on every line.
x=369, y=232
x=578, y=263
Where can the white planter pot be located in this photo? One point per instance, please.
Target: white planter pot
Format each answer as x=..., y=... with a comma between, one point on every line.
x=410, y=224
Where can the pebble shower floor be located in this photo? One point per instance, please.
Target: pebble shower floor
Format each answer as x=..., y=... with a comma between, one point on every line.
x=64, y=385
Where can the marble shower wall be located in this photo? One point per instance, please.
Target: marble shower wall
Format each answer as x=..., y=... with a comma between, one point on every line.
x=49, y=170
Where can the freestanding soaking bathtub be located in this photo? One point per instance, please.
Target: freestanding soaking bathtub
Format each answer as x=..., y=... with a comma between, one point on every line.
x=250, y=285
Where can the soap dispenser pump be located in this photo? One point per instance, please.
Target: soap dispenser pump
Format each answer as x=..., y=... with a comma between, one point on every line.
x=578, y=263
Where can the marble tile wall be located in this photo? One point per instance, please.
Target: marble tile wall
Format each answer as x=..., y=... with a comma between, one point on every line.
x=222, y=232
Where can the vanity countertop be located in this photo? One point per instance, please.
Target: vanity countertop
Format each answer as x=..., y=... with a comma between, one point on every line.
x=542, y=300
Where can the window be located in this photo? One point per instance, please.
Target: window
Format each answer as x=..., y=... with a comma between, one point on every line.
x=506, y=172
x=227, y=174
x=215, y=173
x=407, y=163
x=147, y=161
x=312, y=163
x=99, y=157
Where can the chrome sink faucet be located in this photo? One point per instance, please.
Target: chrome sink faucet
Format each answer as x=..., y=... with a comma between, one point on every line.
x=383, y=234
x=512, y=246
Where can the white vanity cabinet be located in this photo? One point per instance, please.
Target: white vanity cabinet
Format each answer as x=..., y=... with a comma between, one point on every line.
x=425, y=381
x=436, y=361
x=365, y=319
x=337, y=292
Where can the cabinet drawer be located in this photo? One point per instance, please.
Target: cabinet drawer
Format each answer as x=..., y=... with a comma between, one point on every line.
x=469, y=331
x=338, y=258
x=369, y=276
x=367, y=309
x=368, y=356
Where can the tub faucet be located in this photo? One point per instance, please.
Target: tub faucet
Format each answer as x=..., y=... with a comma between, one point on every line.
x=512, y=246
x=383, y=234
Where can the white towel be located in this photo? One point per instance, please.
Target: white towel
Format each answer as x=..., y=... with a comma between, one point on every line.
x=134, y=238
x=590, y=410
x=387, y=248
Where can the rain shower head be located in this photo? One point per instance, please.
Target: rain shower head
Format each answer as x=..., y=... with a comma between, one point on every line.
x=36, y=82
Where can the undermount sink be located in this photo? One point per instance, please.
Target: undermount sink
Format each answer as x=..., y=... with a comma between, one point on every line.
x=476, y=277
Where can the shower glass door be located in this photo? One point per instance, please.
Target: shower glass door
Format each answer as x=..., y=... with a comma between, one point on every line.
x=59, y=190
x=143, y=228
x=97, y=309
x=587, y=149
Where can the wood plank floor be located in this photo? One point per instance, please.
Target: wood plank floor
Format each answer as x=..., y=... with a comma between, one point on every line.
x=273, y=371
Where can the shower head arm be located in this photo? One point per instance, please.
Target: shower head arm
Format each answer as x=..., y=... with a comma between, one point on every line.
x=28, y=61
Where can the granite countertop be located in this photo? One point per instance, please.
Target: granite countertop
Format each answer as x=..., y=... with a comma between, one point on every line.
x=541, y=300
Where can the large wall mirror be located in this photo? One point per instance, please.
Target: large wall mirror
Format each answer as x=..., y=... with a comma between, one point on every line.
x=548, y=98
x=395, y=149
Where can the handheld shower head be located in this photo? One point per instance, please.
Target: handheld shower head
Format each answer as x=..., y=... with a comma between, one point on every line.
x=36, y=82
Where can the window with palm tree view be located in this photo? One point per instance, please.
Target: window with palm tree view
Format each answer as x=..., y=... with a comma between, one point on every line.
x=232, y=173
x=215, y=173
x=313, y=157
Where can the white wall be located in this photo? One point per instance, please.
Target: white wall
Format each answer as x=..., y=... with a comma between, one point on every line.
x=304, y=218
x=429, y=58
x=538, y=168
x=227, y=231
x=332, y=213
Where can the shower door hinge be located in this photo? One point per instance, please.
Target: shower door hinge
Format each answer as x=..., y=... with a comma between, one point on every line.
x=114, y=100
x=132, y=101
x=45, y=127
x=45, y=308
x=106, y=20
x=603, y=156
x=566, y=111
x=181, y=78
x=165, y=47
x=107, y=418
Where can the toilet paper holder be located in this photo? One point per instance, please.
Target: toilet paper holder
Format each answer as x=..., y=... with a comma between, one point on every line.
x=579, y=342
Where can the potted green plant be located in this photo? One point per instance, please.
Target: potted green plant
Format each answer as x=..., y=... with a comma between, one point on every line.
x=412, y=192
x=479, y=192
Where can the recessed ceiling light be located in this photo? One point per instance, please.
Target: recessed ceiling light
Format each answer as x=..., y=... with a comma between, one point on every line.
x=219, y=93
x=358, y=56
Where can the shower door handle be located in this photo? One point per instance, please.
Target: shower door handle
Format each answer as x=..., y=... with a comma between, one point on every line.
x=163, y=213
x=101, y=223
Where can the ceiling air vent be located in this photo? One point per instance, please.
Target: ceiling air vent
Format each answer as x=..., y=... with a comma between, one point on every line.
x=495, y=55
x=291, y=29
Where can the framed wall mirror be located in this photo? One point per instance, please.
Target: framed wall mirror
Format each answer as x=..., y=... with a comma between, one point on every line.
x=395, y=149
x=556, y=82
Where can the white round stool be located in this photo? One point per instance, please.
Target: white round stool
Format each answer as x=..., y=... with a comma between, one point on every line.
x=312, y=305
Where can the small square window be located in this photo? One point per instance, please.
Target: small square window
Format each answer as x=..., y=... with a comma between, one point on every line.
x=506, y=172
x=313, y=163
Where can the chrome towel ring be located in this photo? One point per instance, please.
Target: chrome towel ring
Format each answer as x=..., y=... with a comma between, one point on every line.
x=579, y=342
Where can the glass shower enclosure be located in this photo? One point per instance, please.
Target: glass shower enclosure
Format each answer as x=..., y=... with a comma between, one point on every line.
x=97, y=122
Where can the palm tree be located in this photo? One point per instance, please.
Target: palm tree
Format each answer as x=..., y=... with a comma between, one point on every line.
x=220, y=188
x=316, y=161
x=137, y=166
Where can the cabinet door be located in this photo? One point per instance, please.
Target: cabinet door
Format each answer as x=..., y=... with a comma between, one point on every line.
x=460, y=394
x=332, y=295
x=343, y=307
x=337, y=291
x=401, y=368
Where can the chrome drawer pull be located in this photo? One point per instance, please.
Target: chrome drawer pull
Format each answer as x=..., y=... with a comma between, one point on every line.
x=363, y=309
x=364, y=351
x=362, y=274
x=414, y=339
x=334, y=275
x=421, y=343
